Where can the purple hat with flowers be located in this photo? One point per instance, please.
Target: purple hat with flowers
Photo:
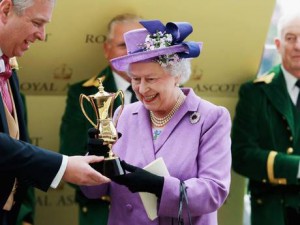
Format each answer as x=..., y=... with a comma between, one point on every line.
x=158, y=42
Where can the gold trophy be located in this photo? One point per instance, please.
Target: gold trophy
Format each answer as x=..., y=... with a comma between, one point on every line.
x=102, y=103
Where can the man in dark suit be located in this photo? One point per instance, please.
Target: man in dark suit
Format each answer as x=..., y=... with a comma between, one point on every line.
x=266, y=133
x=74, y=125
x=22, y=22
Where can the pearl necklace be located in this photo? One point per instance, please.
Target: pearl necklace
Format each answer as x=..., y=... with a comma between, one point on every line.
x=161, y=122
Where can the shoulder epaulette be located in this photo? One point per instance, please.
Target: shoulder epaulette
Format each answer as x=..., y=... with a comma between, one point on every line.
x=266, y=78
x=92, y=82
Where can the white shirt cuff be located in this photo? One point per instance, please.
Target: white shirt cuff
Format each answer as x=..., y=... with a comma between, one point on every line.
x=298, y=175
x=60, y=172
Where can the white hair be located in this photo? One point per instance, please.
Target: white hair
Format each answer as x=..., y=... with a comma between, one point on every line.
x=21, y=5
x=181, y=69
x=285, y=20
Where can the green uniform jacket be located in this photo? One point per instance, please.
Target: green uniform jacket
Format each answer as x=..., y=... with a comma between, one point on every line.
x=73, y=140
x=27, y=210
x=265, y=147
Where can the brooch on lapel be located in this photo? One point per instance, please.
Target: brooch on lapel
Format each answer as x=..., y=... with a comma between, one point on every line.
x=195, y=117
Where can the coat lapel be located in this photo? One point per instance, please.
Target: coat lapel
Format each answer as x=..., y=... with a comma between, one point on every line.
x=145, y=130
x=3, y=121
x=169, y=128
x=187, y=106
x=278, y=95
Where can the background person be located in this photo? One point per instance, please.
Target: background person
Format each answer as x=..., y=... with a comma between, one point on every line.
x=266, y=133
x=22, y=164
x=190, y=134
x=73, y=139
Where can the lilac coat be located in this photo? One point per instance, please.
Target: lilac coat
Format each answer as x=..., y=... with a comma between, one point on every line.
x=196, y=153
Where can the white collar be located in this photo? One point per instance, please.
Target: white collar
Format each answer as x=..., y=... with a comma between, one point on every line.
x=121, y=83
x=2, y=65
x=290, y=81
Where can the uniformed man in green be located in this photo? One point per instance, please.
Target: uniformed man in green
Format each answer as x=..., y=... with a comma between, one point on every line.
x=266, y=133
x=74, y=126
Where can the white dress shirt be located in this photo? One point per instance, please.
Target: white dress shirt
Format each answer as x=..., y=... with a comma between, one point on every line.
x=123, y=85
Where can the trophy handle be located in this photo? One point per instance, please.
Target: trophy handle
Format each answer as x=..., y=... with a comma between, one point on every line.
x=81, y=98
x=120, y=92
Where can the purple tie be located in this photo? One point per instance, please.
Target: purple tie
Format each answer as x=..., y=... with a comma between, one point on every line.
x=4, y=76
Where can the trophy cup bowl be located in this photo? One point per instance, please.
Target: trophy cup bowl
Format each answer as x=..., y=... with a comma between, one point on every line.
x=102, y=103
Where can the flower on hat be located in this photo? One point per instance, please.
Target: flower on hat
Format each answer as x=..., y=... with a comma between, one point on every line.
x=161, y=40
x=163, y=43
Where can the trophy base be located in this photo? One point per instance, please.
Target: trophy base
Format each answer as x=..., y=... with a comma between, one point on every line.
x=109, y=167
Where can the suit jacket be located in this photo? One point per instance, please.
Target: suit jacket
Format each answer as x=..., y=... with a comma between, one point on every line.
x=266, y=147
x=73, y=139
x=29, y=164
x=195, y=146
x=27, y=209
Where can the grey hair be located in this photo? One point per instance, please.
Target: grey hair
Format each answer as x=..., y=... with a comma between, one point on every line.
x=21, y=5
x=122, y=18
x=285, y=20
x=181, y=69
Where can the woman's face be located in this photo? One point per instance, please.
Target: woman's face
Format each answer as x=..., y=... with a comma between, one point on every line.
x=154, y=87
x=26, y=28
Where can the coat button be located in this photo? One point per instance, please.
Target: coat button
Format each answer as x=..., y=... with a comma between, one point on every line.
x=129, y=207
x=84, y=209
x=291, y=138
x=259, y=201
x=289, y=150
x=264, y=181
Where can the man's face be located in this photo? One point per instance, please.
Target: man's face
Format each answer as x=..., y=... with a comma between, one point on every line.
x=289, y=47
x=115, y=46
x=24, y=29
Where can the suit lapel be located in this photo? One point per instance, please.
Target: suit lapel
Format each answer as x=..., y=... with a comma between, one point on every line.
x=3, y=121
x=109, y=82
x=278, y=95
x=19, y=107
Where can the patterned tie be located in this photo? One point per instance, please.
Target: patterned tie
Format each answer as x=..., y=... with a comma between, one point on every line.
x=133, y=96
x=298, y=99
x=4, y=76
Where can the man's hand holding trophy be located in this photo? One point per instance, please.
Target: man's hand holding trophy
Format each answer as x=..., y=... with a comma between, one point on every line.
x=104, y=131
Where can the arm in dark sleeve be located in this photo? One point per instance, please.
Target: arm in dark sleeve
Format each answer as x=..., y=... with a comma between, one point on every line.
x=34, y=165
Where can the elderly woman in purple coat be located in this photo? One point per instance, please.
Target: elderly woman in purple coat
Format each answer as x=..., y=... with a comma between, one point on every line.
x=191, y=135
